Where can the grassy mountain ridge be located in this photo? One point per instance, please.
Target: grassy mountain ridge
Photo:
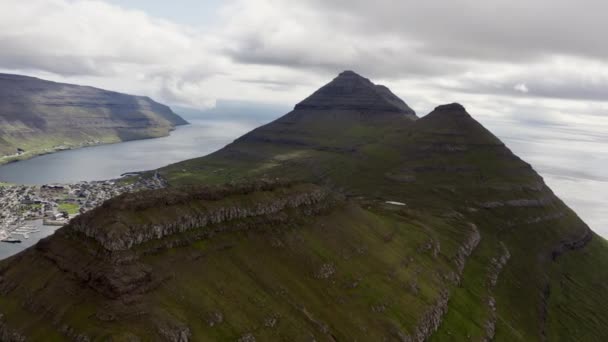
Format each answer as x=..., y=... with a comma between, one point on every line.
x=368, y=225
x=38, y=116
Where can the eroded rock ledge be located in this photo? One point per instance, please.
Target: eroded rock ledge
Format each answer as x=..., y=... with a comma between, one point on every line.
x=133, y=219
x=432, y=319
x=103, y=247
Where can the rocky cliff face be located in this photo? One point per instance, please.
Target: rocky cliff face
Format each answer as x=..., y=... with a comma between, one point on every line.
x=38, y=116
x=134, y=219
x=131, y=226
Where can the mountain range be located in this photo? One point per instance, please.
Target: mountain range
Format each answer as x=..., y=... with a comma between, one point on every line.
x=348, y=219
x=38, y=116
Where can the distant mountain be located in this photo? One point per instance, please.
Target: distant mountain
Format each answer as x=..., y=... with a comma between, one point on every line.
x=347, y=219
x=228, y=110
x=38, y=116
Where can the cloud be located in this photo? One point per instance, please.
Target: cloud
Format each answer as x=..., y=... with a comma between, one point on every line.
x=100, y=38
x=557, y=78
x=282, y=50
x=414, y=35
x=298, y=35
x=270, y=83
x=461, y=41
x=79, y=39
x=500, y=30
x=521, y=87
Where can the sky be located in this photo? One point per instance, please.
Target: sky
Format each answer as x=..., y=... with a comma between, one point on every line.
x=547, y=53
x=530, y=70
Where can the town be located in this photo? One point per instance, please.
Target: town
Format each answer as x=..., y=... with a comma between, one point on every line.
x=56, y=204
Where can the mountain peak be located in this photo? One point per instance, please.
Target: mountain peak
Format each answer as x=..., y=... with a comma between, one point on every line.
x=451, y=107
x=351, y=91
x=349, y=73
x=448, y=113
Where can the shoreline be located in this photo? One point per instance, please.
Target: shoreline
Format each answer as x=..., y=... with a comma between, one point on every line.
x=10, y=159
x=8, y=250
x=54, y=205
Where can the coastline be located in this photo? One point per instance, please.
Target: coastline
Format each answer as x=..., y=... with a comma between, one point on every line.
x=33, y=154
x=8, y=250
x=49, y=207
x=14, y=158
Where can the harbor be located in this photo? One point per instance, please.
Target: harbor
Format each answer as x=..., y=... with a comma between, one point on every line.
x=17, y=235
x=37, y=231
x=31, y=212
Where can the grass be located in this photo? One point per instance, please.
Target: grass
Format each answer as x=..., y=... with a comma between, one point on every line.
x=70, y=208
x=579, y=286
x=281, y=281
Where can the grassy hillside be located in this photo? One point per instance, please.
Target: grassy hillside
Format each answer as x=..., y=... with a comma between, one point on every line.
x=38, y=116
x=328, y=225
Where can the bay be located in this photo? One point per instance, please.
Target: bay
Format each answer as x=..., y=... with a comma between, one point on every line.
x=104, y=162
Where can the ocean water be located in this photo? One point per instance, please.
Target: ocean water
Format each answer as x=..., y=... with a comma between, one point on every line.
x=9, y=249
x=199, y=138
x=572, y=159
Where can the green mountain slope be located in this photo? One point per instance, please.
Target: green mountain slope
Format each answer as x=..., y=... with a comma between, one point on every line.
x=347, y=219
x=38, y=116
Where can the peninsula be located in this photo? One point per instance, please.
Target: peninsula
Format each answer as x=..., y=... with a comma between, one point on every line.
x=39, y=117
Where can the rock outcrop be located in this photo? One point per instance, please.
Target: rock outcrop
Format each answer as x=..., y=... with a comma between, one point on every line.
x=465, y=250
x=432, y=318
x=141, y=217
x=112, y=264
x=495, y=268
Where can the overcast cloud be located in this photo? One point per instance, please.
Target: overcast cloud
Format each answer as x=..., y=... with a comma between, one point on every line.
x=519, y=63
x=544, y=48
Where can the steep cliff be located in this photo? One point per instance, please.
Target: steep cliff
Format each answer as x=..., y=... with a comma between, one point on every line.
x=38, y=116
